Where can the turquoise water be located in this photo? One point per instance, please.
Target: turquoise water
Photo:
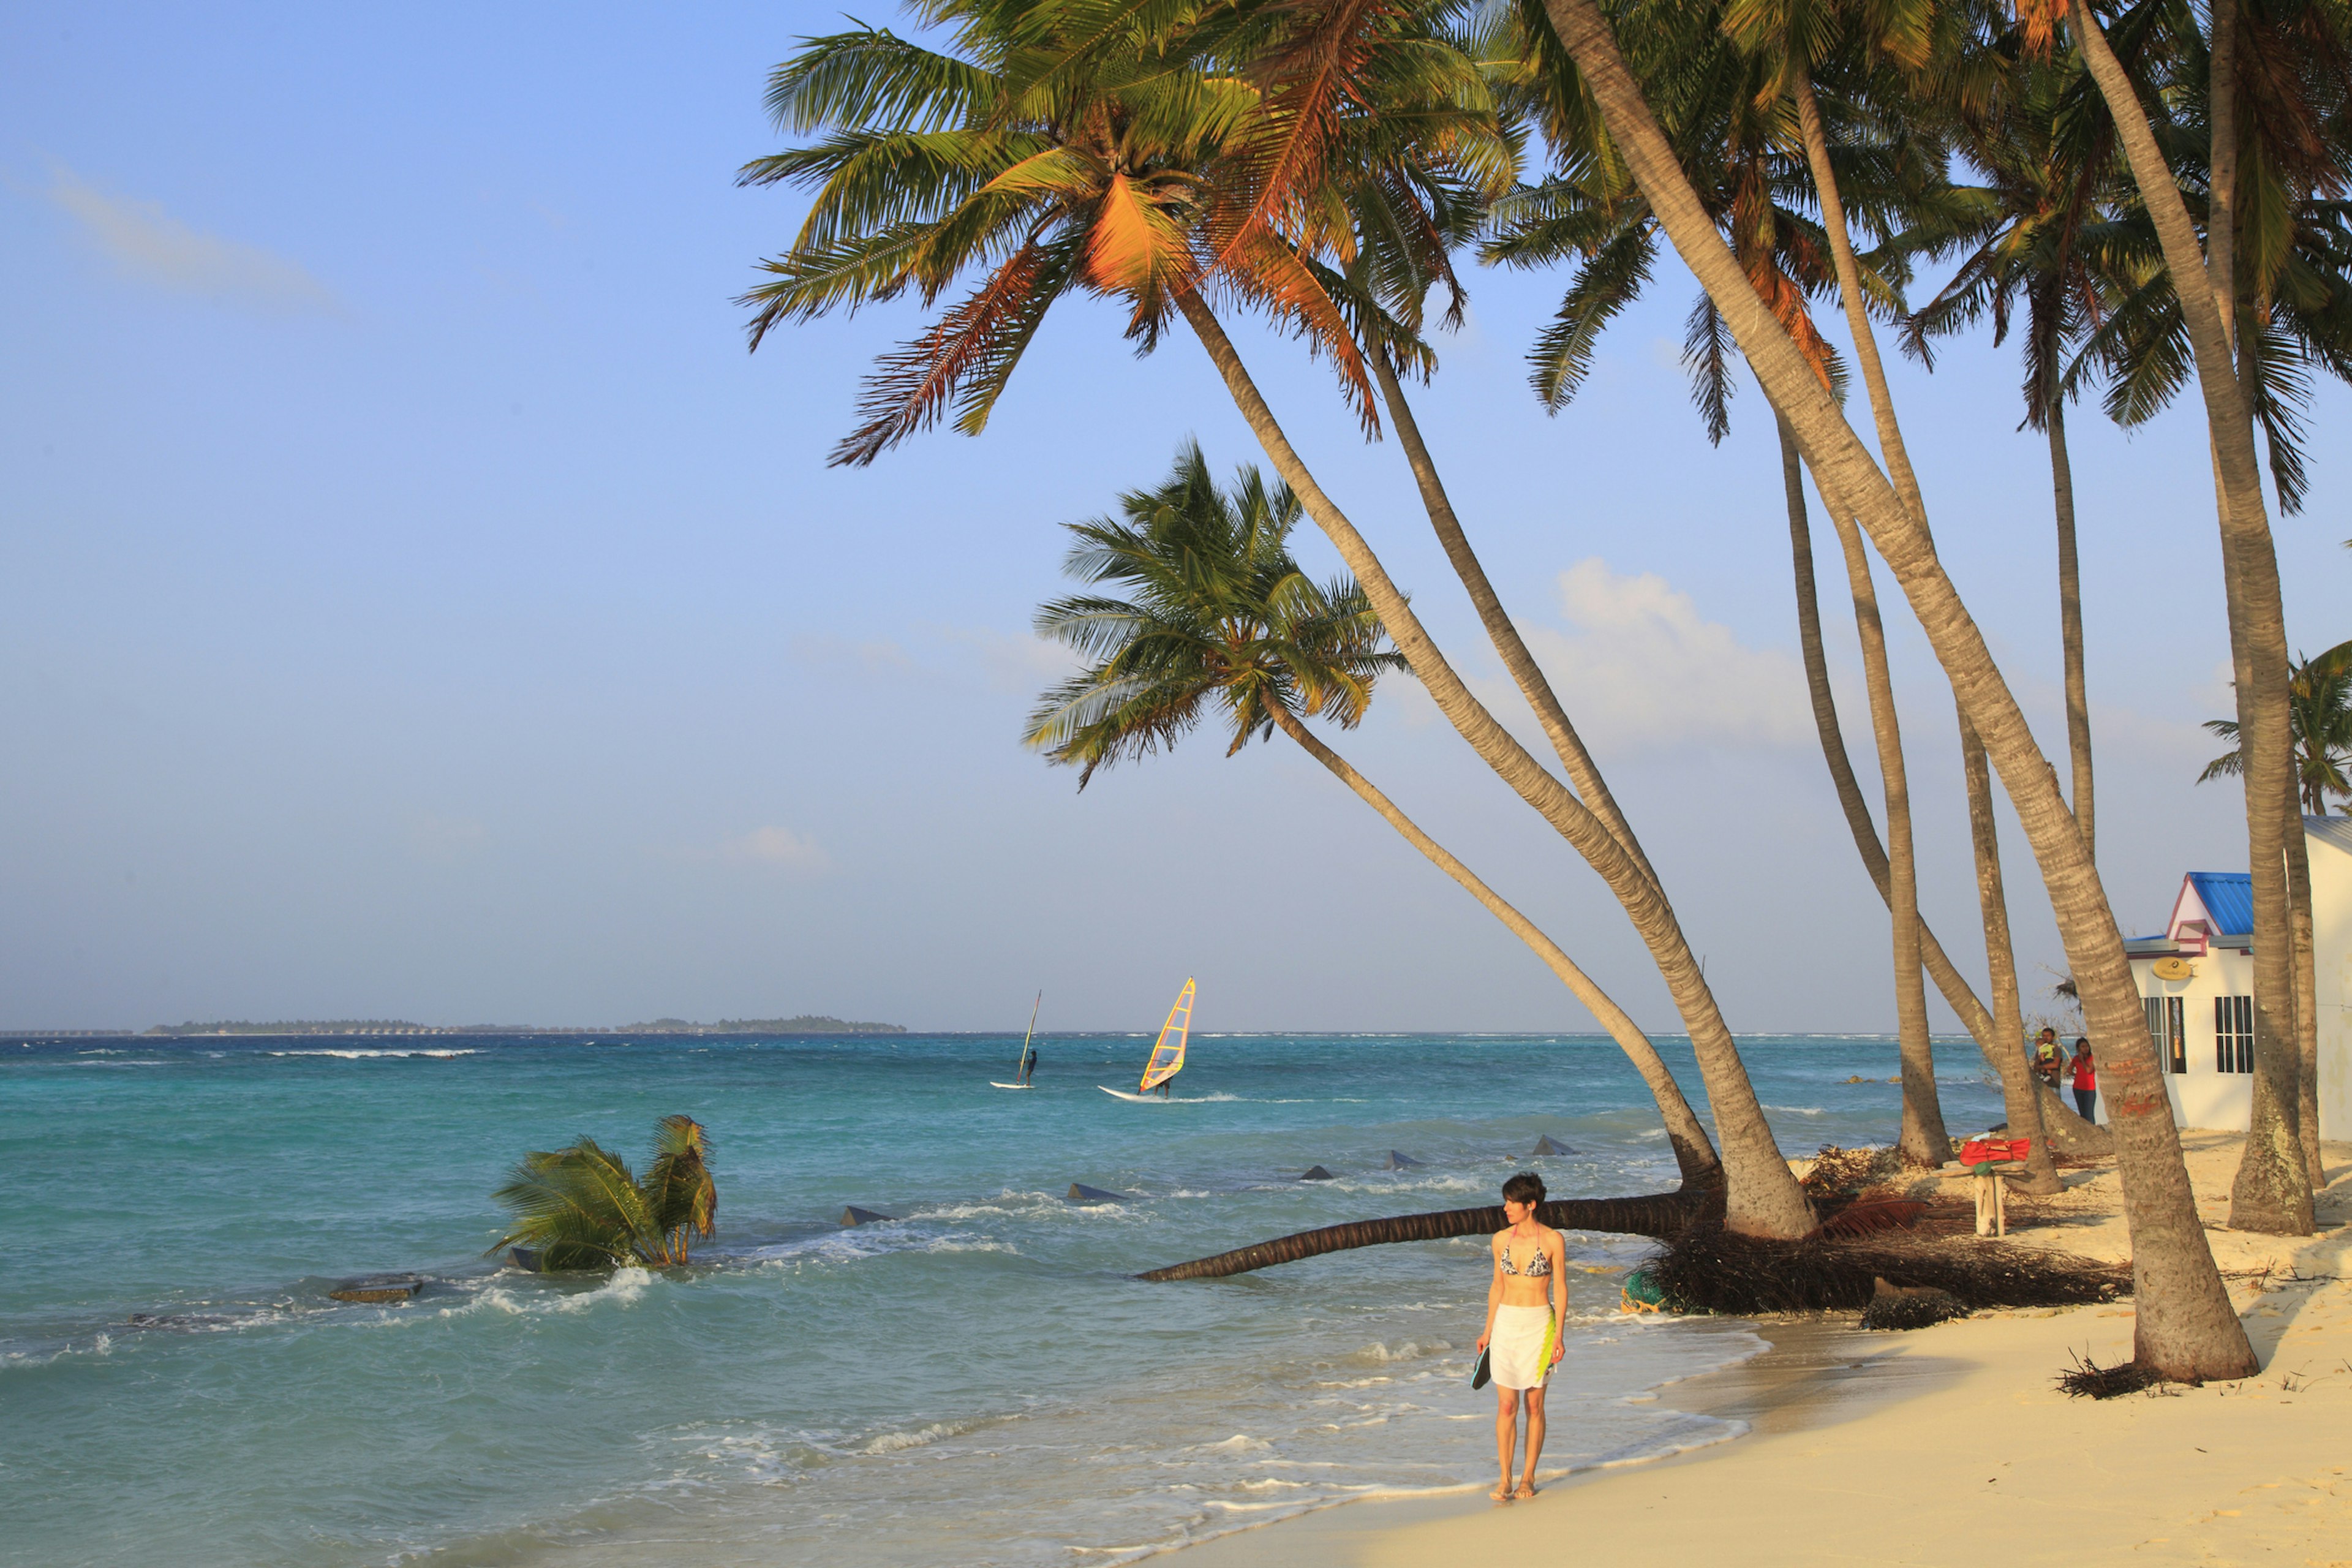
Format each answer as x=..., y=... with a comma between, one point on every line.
x=977, y=1382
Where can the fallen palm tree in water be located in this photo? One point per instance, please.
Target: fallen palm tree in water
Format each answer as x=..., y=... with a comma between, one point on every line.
x=1657, y=1214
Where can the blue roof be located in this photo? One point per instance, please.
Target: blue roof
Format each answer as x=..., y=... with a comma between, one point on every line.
x=2229, y=899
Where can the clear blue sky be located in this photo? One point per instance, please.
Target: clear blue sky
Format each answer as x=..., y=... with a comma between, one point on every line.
x=415, y=602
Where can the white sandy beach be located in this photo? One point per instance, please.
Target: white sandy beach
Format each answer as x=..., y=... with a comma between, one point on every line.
x=1951, y=1445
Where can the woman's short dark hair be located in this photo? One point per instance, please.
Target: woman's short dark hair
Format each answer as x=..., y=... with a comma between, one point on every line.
x=1526, y=1187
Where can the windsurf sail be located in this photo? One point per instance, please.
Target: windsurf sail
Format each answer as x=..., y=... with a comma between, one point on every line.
x=1022, y=1060
x=1168, y=1054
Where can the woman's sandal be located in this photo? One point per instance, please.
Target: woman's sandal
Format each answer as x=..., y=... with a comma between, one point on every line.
x=1502, y=1492
x=1526, y=1493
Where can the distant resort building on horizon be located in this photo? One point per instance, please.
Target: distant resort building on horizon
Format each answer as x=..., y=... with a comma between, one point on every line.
x=2197, y=981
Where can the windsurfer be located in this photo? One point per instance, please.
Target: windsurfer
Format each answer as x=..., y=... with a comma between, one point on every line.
x=1028, y=1064
x=1527, y=1310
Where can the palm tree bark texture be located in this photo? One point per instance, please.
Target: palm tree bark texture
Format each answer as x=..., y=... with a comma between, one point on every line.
x=2185, y=1326
x=1762, y=1196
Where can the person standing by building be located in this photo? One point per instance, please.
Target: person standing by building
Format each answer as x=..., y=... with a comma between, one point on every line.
x=2083, y=1077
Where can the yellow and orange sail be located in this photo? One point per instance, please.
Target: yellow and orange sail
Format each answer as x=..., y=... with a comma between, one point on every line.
x=1168, y=1054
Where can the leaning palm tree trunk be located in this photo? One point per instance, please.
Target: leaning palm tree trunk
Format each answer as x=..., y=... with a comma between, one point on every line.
x=1656, y=1215
x=1948, y=980
x=2070, y=623
x=1533, y=684
x=2000, y=1033
x=1693, y=1152
x=2273, y=1192
x=2185, y=1326
x=1761, y=1195
x=1924, y=1141
x=2306, y=1008
x=2017, y=1080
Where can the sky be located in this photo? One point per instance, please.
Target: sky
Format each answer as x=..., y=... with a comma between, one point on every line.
x=415, y=603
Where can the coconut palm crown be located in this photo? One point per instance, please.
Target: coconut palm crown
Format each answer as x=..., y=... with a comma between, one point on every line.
x=1220, y=618
x=1052, y=148
x=2319, y=715
x=581, y=1206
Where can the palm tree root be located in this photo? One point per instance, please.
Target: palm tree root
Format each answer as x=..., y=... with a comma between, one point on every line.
x=2088, y=1380
x=1659, y=1215
x=2069, y=1133
x=1706, y=1268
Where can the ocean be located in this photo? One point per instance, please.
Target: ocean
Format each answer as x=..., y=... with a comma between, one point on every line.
x=979, y=1381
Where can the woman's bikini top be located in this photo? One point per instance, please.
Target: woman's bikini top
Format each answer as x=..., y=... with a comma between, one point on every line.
x=1537, y=1270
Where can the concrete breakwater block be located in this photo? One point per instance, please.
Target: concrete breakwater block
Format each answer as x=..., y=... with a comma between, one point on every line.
x=1544, y=1145
x=854, y=1215
x=376, y=1290
x=1082, y=1193
x=1400, y=1161
x=528, y=1258
x=1317, y=1173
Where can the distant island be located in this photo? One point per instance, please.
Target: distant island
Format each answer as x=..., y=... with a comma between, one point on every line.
x=806, y=1024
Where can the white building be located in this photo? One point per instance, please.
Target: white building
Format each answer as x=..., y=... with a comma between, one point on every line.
x=2197, y=981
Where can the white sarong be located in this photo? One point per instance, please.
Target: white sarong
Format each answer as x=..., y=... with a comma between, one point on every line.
x=1519, y=1354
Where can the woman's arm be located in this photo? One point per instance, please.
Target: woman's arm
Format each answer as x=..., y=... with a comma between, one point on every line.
x=1493, y=1290
x=1558, y=1250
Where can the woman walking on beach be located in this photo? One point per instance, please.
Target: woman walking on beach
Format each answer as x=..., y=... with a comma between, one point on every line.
x=1526, y=1307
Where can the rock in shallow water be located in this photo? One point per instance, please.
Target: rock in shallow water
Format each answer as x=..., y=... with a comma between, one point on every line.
x=1904, y=1307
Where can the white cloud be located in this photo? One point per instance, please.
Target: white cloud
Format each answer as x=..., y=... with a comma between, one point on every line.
x=778, y=846
x=148, y=244
x=1640, y=669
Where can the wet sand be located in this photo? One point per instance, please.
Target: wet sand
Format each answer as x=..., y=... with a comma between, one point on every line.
x=1951, y=1445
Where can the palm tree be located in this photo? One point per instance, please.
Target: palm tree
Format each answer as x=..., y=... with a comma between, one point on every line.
x=1222, y=617
x=2319, y=716
x=2320, y=690
x=2272, y=1190
x=2186, y=1326
x=581, y=1207
x=1061, y=146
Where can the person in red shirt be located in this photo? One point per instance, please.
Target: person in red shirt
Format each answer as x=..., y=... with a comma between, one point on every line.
x=2083, y=1074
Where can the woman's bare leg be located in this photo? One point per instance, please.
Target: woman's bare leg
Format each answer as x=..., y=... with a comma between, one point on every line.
x=1535, y=1443
x=1507, y=1438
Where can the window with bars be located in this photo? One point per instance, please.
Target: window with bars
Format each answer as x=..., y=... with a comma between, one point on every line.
x=2165, y=1023
x=2233, y=1034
